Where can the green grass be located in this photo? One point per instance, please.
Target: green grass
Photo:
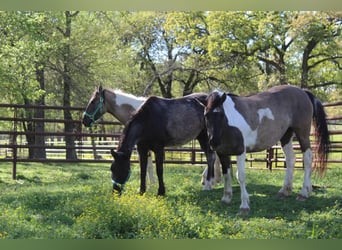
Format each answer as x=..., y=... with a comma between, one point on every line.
x=70, y=201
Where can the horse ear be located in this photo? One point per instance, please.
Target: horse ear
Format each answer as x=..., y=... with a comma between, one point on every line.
x=101, y=92
x=114, y=154
x=223, y=98
x=118, y=154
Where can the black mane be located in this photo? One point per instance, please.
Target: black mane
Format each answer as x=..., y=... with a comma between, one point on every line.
x=142, y=114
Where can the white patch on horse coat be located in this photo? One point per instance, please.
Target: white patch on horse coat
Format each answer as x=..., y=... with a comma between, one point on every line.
x=265, y=113
x=237, y=120
x=124, y=98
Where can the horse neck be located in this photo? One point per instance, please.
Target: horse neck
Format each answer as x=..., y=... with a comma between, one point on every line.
x=121, y=105
x=130, y=136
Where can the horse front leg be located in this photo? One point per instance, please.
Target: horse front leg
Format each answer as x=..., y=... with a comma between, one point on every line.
x=241, y=176
x=217, y=172
x=227, y=177
x=143, y=154
x=159, y=154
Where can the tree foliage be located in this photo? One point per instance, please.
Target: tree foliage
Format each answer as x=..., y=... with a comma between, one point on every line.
x=167, y=53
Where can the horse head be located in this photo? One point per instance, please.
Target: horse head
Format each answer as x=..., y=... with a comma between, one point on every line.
x=120, y=169
x=214, y=117
x=95, y=108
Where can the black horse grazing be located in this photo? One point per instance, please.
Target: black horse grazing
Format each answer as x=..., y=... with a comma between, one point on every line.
x=237, y=125
x=161, y=122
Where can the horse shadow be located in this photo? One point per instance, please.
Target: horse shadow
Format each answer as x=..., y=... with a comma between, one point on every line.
x=264, y=202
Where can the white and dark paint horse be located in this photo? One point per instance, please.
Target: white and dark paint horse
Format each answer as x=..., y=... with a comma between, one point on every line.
x=158, y=123
x=237, y=125
x=119, y=104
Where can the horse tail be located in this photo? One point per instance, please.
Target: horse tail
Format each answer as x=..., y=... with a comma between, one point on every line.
x=322, y=139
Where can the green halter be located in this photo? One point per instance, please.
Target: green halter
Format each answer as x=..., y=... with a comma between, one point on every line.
x=92, y=116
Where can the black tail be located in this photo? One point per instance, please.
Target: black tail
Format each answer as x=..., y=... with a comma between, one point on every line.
x=322, y=139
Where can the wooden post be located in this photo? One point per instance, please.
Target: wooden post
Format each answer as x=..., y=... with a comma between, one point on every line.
x=14, y=146
x=269, y=157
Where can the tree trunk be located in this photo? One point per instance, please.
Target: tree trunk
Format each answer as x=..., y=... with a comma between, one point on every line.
x=68, y=126
x=305, y=62
x=39, y=127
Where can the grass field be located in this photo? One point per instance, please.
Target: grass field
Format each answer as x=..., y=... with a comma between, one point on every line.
x=68, y=201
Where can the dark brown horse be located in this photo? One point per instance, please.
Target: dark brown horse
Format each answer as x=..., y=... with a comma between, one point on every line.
x=237, y=125
x=161, y=122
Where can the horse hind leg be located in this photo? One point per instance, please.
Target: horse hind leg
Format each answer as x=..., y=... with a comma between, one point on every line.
x=307, y=162
x=217, y=172
x=208, y=173
x=286, y=144
x=150, y=170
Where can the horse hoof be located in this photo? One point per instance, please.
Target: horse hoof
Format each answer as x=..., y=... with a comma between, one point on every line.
x=207, y=188
x=225, y=201
x=208, y=185
x=301, y=198
x=244, y=211
x=161, y=193
x=281, y=196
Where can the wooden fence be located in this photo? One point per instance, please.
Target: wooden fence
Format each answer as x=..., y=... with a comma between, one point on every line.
x=93, y=145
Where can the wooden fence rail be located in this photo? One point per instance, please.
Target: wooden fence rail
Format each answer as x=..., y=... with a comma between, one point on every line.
x=93, y=145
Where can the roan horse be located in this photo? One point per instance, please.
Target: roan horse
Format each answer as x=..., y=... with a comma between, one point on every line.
x=237, y=125
x=122, y=105
x=161, y=122
x=118, y=104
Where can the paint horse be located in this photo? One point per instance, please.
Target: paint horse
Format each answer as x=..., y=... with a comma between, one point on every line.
x=161, y=122
x=237, y=125
x=120, y=105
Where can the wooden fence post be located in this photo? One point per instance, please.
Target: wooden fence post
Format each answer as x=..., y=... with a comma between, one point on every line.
x=14, y=146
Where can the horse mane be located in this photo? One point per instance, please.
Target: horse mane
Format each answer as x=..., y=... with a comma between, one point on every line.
x=138, y=115
x=122, y=93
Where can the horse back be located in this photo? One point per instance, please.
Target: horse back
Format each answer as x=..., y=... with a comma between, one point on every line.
x=265, y=117
x=175, y=121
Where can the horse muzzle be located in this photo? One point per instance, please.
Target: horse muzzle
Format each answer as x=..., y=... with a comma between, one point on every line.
x=117, y=188
x=86, y=122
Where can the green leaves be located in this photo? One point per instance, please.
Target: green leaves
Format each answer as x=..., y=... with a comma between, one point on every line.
x=170, y=53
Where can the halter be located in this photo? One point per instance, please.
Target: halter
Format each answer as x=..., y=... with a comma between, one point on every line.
x=121, y=185
x=118, y=183
x=98, y=108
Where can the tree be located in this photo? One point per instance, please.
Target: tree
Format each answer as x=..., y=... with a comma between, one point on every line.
x=66, y=58
x=23, y=49
x=319, y=35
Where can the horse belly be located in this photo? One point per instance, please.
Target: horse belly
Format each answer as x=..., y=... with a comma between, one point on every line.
x=184, y=124
x=183, y=135
x=267, y=136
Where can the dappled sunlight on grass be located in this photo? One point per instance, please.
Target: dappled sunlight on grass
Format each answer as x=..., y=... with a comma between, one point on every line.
x=75, y=201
